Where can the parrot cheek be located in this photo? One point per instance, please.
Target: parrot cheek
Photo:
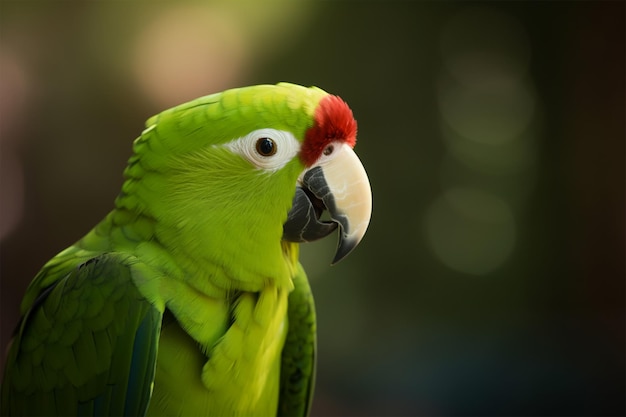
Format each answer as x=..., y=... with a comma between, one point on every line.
x=337, y=183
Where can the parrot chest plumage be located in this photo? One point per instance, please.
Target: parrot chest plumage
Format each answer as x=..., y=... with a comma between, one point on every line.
x=237, y=374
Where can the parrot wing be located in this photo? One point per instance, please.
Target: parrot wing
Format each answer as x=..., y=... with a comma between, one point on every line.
x=86, y=347
x=298, y=358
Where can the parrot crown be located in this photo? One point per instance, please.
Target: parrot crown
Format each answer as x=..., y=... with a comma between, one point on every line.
x=333, y=121
x=311, y=114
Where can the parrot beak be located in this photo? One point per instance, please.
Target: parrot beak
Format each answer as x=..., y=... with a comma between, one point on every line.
x=338, y=184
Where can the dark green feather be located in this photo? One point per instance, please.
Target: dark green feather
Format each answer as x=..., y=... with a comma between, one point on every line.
x=297, y=376
x=86, y=347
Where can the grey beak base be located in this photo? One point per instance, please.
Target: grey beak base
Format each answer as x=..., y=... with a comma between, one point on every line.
x=303, y=223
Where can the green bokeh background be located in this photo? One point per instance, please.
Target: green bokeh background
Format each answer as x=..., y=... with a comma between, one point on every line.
x=491, y=280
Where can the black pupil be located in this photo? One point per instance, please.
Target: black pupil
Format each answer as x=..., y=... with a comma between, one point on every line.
x=265, y=146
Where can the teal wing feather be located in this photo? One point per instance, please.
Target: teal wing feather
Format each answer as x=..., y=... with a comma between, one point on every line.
x=86, y=347
x=298, y=358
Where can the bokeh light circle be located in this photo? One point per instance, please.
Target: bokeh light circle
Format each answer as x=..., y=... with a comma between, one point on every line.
x=470, y=230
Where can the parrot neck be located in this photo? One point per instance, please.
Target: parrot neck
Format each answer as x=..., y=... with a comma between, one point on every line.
x=211, y=259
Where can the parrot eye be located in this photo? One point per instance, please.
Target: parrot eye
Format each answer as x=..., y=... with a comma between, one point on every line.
x=266, y=146
x=328, y=150
x=266, y=149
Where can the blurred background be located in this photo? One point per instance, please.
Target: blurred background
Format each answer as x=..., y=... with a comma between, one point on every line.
x=491, y=280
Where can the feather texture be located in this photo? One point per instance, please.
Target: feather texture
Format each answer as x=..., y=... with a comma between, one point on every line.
x=68, y=359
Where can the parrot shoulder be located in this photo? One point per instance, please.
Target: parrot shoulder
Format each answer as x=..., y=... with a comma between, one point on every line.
x=87, y=343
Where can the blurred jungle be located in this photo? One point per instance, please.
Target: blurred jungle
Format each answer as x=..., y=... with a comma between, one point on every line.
x=491, y=280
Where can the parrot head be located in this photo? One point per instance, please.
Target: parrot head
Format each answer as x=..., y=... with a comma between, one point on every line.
x=232, y=179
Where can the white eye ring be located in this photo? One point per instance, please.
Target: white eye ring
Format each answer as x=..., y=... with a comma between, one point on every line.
x=278, y=148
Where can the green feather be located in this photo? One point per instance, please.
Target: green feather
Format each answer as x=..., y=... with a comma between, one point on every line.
x=79, y=363
x=298, y=358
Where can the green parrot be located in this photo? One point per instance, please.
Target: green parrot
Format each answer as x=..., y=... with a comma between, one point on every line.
x=188, y=298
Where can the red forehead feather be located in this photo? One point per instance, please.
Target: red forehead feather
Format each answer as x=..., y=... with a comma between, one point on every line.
x=333, y=122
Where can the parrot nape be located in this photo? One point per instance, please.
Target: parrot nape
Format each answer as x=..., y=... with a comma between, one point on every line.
x=188, y=298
